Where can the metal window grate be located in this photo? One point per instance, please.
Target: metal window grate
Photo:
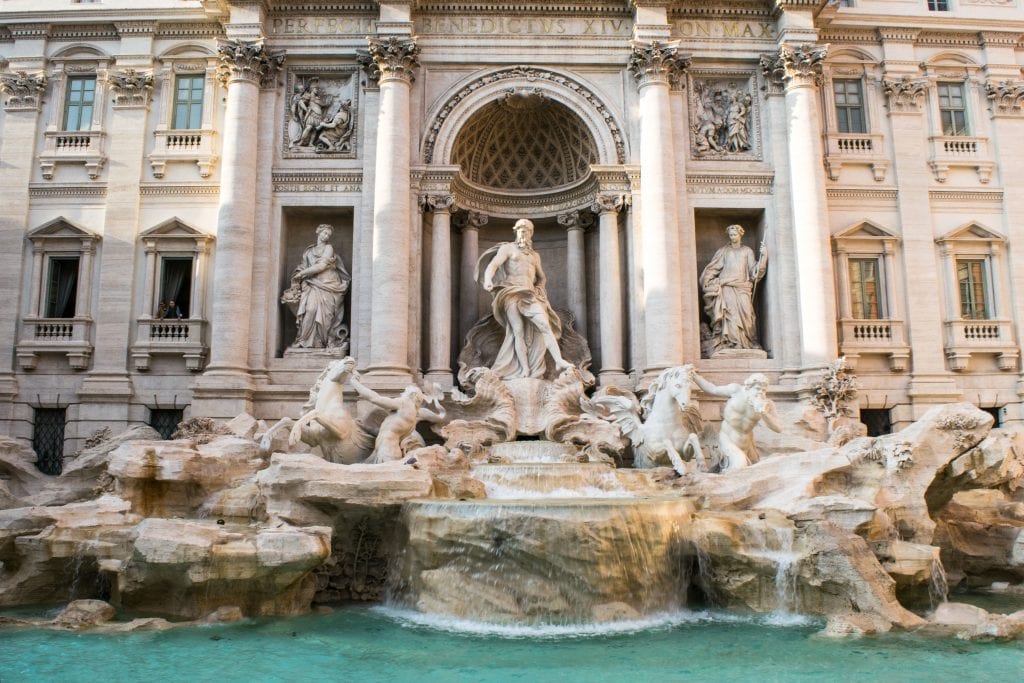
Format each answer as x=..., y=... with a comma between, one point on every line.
x=48, y=438
x=165, y=420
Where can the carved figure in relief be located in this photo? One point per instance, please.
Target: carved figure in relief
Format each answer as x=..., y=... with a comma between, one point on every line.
x=308, y=108
x=397, y=435
x=710, y=119
x=748, y=404
x=335, y=134
x=532, y=329
x=729, y=283
x=663, y=427
x=737, y=137
x=317, y=296
x=327, y=423
x=722, y=118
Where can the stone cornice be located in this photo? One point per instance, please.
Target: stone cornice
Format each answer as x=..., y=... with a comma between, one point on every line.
x=657, y=62
x=248, y=60
x=390, y=58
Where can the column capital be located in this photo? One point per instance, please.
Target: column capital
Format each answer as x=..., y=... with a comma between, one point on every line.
x=132, y=89
x=576, y=220
x=23, y=90
x=1006, y=96
x=794, y=65
x=606, y=202
x=657, y=62
x=440, y=203
x=390, y=58
x=247, y=60
x=476, y=220
x=904, y=94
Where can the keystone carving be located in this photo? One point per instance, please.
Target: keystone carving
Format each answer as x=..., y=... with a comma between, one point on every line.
x=248, y=60
x=23, y=90
x=131, y=88
x=904, y=93
x=390, y=58
x=658, y=62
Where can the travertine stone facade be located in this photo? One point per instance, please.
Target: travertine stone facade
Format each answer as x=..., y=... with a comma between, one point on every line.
x=165, y=163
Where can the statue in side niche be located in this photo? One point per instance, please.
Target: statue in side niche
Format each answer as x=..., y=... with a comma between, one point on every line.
x=397, y=435
x=664, y=426
x=317, y=296
x=748, y=404
x=729, y=283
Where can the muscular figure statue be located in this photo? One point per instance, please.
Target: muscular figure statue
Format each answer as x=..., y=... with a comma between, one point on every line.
x=393, y=439
x=748, y=404
x=520, y=304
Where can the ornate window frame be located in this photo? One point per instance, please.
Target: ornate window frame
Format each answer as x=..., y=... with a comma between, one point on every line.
x=886, y=335
x=80, y=146
x=850, y=149
x=196, y=146
x=69, y=336
x=185, y=337
x=995, y=335
x=958, y=151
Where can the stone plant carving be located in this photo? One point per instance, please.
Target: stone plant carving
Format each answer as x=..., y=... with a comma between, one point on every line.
x=833, y=391
x=748, y=404
x=1006, y=96
x=131, y=88
x=722, y=118
x=485, y=416
x=23, y=90
x=390, y=57
x=317, y=296
x=320, y=120
x=663, y=427
x=904, y=93
x=728, y=284
x=327, y=423
x=248, y=60
x=657, y=62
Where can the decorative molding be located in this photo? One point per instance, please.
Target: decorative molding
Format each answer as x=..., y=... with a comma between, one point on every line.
x=327, y=182
x=725, y=124
x=83, y=32
x=23, y=90
x=862, y=194
x=322, y=112
x=1005, y=97
x=904, y=94
x=53, y=191
x=961, y=196
x=712, y=183
x=390, y=58
x=523, y=206
x=658, y=62
x=132, y=89
x=248, y=60
x=189, y=30
x=179, y=190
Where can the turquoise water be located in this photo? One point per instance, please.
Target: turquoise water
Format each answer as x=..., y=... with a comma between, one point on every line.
x=361, y=645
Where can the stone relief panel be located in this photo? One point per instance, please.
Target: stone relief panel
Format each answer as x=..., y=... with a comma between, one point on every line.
x=724, y=122
x=321, y=112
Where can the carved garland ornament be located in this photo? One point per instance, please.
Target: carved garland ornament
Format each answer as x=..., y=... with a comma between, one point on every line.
x=1006, y=97
x=530, y=74
x=905, y=93
x=248, y=60
x=131, y=88
x=390, y=58
x=23, y=90
x=658, y=62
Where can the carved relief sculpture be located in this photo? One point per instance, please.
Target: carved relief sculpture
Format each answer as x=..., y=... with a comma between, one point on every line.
x=321, y=119
x=728, y=284
x=722, y=118
x=22, y=89
x=317, y=297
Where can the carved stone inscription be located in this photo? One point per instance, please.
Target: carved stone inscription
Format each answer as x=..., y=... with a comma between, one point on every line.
x=723, y=121
x=321, y=115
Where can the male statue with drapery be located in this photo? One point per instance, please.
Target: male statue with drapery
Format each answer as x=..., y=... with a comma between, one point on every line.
x=317, y=296
x=729, y=283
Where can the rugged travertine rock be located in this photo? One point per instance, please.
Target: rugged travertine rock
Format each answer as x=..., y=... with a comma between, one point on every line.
x=19, y=477
x=968, y=622
x=981, y=533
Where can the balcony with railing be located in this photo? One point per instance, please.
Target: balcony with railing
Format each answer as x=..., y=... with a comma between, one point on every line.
x=860, y=337
x=190, y=146
x=848, y=149
x=175, y=337
x=960, y=151
x=967, y=337
x=72, y=147
x=68, y=336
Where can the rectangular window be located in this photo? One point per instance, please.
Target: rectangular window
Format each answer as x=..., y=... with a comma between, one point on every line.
x=865, y=284
x=80, y=99
x=953, y=109
x=62, y=287
x=877, y=420
x=971, y=277
x=938, y=5
x=849, y=100
x=166, y=420
x=175, y=287
x=188, y=102
x=48, y=438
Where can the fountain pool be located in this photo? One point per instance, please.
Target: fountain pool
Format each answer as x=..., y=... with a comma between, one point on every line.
x=380, y=644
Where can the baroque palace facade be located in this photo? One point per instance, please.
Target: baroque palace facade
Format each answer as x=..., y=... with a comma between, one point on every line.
x=164, y=165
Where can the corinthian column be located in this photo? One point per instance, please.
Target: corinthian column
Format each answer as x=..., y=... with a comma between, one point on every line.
x=439, y=369
x=798, y=68
x=608, y=206
x=244, y=67
x=576, y=268
x=468, y=287
x=655, y=65
x=391, y=60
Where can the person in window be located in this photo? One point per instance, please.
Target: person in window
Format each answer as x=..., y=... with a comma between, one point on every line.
x=173, y=312
x=161, y=310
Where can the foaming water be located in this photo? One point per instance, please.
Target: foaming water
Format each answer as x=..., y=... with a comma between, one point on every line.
x=549, y=631
x=505, y=492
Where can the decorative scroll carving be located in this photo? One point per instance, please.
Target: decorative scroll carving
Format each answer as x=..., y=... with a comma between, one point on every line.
x=1006, y=96
x=609, y=203
x=905, y=93
x=23, y=90
x=658, y=62
x=321, y=116
x=248, y=60
x=723, y=116
x=390, y=57
x=131, y=88
x=529, y=74
x=441, y=202
x=800, y=64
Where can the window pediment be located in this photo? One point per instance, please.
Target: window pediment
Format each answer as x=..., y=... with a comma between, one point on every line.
x=61, y=228
x=970, y=232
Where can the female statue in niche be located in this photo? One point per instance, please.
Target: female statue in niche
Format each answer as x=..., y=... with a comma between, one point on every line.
x=728, y=283
x=317, y=296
